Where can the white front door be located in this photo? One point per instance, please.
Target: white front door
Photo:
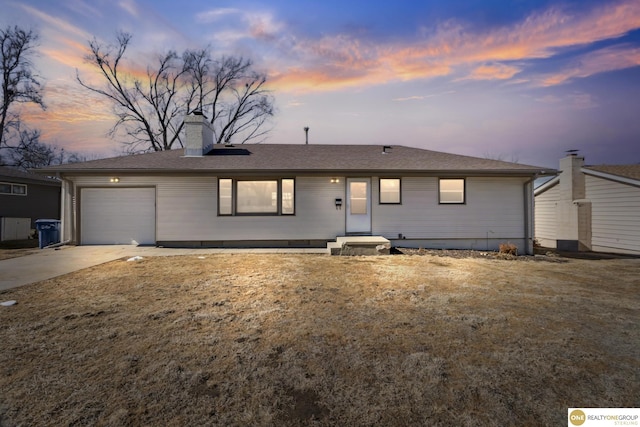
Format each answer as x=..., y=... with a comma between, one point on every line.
x=359, y=205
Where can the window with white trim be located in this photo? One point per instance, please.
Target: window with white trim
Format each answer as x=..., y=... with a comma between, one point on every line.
x=390, y=191
x=256, y=197
x=452, y=191
x=13, y=189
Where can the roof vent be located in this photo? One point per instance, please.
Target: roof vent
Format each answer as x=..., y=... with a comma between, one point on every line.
x=386, y=149
x=306, y=135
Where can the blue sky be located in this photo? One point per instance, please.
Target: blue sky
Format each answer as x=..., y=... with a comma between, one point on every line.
x=517, y=80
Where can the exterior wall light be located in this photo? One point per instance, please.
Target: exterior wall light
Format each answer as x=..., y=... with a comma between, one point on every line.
x=335, y=180
x=114, y=180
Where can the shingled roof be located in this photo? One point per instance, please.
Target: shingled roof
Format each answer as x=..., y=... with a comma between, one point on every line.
x=625, y=171
x=251, y=158
x=15, y=175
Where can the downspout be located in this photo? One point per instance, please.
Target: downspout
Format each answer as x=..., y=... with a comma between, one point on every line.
x=63, y=196
x=73, y=213
x=64, y=213
x=67, y=217
x=529, y=214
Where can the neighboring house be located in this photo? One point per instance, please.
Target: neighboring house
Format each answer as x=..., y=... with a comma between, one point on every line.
x=590, y=208
x=296, y=195
x=24, y=198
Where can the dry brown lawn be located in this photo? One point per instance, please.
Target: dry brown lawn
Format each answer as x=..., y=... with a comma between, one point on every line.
x=17, y=248
x=15, y=253
x=234, y=340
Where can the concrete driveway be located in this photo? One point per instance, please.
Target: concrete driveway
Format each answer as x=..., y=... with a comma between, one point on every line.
x=49, y=263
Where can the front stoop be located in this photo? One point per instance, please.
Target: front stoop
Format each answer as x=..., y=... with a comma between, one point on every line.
x=359, y=245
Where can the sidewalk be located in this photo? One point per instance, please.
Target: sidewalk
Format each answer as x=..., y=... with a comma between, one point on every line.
x=49, y=263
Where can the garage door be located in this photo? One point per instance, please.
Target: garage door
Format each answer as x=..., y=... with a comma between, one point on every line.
x=124, y=216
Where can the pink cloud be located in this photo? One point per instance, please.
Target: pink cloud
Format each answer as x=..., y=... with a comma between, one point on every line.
x=343, y=61
x=493, y=72
x=600, y=61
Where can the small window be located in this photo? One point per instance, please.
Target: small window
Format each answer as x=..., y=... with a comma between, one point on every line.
x=16, y=189
x=358, y=198
x=390, y=190
x=288, y=207
x=224, y=197
x=19, y=189
x=452, y=191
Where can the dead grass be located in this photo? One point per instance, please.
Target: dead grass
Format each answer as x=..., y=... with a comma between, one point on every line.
x=17, y=248
x=300, y=339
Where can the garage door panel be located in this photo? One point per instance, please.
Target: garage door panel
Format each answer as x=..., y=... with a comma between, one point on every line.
x=117, y=216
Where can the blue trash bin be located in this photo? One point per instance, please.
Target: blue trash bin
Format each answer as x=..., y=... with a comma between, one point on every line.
x=48, y=231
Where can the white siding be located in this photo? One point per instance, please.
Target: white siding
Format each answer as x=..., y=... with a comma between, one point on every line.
x=615, y=212
x=187, y=210
x=494, y=210
x=545, y=217
x=316, y=217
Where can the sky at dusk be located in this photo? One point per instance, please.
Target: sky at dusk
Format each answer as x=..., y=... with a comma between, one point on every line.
x=517, y=80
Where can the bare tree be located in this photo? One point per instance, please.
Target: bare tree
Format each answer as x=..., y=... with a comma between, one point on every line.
x=20, y=146
x=233, y=95
x=26, y=151
x=29, y=152
x=19, y=83
x=151, y=110
x=512, y=158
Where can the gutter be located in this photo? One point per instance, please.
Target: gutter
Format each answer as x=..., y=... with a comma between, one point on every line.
x=281, y=171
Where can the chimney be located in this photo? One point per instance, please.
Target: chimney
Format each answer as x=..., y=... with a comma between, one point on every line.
x=199, y=136
x=306, y=135
x=572, y=185
x=573, y=211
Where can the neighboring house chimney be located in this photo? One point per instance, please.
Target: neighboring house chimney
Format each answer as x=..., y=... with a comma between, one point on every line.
x=573, y=212
x=199, y=135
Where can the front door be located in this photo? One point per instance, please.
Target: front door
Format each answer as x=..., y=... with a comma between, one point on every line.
x=358, y=205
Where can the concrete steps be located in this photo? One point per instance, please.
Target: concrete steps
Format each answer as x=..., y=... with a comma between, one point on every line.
x=359, y=245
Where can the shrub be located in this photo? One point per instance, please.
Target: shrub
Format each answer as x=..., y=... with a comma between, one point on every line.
x=508, y=248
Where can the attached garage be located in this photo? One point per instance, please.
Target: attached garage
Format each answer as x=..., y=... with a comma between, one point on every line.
x=124, y=216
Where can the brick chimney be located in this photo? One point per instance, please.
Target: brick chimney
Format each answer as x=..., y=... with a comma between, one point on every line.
x=199, y=135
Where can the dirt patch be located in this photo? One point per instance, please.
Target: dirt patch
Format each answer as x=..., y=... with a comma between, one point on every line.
x=316, y=340
x=547, y=256
x=17, y=248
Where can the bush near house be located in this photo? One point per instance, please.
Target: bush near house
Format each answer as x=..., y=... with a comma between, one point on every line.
x=508, y=249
